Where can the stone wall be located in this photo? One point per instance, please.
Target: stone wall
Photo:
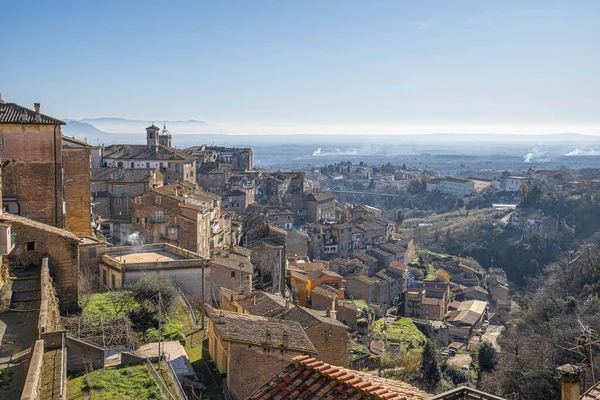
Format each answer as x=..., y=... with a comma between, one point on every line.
x=332, y=348
x=33, y=174
x=63, y=253
x=83, y=356
x=77, y=192
x=252, y=366
x=34, y=373
x=49, y=316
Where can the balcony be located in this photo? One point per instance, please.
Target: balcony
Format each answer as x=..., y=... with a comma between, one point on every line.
x=157, y=219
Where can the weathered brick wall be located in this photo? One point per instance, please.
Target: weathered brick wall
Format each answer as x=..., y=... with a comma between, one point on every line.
x=222, y=278
x=34, y=173
x=62, y=252
x=296, y=243
x=252, y=366
x=347, y=315
x=49, y=316
x=332, y=350
x=76, y=164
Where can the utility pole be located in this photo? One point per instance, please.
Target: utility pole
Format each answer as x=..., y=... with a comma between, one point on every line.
x=159, y=327
x=203, y=266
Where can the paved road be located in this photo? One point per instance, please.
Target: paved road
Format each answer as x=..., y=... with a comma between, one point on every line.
x=18, y=326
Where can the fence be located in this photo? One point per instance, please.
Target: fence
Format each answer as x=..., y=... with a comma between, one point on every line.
x=189, y=307
x=161, y=383
x=173, y=376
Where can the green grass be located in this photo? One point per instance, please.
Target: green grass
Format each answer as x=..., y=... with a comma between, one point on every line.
x=109, y=305
x=361, y=304
x=431, y=275
x=134, y=382
x=403, y=331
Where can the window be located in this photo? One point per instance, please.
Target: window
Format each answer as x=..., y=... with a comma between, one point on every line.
x=138, y=200
x=118, y=202
x=118, y=190
x=104, y=187
x=326, y=334
x=104, y=280
x=147, y=165
x=114, y=280
x=158, y=199
x=132, y=165
x=93, y=187
x=92, y=253
x=176, y=167
x=120, y=164
x=30, y=246
x=233, y=274
x=134, y=189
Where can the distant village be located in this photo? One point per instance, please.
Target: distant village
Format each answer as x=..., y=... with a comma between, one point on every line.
x=289, y=278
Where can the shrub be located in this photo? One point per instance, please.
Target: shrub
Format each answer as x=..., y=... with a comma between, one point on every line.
x=148, y=287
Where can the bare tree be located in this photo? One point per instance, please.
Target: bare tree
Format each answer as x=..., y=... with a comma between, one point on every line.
x=85, y=286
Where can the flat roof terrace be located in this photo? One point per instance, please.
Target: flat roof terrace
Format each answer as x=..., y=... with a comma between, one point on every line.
x=151, y=256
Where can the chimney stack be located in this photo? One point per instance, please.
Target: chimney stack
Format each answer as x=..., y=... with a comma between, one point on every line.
x=570, y=380
x=36, y=106
x=268, y=337
x=285, y=340
x=1, y=101
x=328, y=313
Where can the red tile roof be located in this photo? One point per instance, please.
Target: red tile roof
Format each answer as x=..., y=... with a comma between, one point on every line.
x=307, y=378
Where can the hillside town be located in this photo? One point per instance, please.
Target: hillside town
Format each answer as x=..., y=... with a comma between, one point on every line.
x=217, y=279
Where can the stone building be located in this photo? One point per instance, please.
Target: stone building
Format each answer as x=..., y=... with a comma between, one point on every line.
x=34, y=241
x=112, y=189
x=33, y=176
x=268, y=245
x=214, y=177
x=230, y=271
x=76, y=167
x=175, y=165
x=182, y=215
x=312, y=206
x=327, y=334
x=361, y=287
x=236, y=158
x=249, y=350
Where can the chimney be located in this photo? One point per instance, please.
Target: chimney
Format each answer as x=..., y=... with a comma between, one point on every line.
x=268, y=337
x=285, y=341
x=36, y=106
x=570, y=380
x=221, y=318
x=231, y=298
x=328, y=313
x=1, y=101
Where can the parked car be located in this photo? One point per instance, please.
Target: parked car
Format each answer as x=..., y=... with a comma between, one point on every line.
x=452, y=352
x=465, y=368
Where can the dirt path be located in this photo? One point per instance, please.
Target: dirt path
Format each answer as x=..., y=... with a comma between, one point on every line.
x=491, y=335
x=18, y=327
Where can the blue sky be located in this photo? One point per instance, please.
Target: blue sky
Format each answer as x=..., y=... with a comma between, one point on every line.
x=305, y=62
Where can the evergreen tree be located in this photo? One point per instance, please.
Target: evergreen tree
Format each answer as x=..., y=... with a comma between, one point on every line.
x=430, y=367
x=403, y=167
x=487, y=357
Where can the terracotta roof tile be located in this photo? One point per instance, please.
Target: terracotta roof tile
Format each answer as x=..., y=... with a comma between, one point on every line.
x=317, y=380
x=12, y=113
